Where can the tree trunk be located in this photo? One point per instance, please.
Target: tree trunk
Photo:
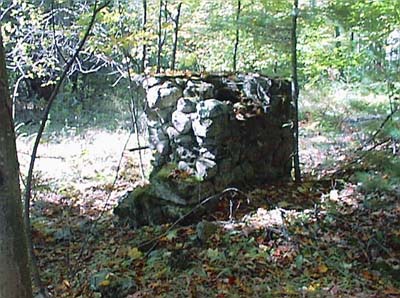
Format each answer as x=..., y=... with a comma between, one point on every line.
x=337, y=37
x=160, y=39
x=15, y=280
x=144, y=47
x=235, y=49
x=176, y=31
x=295, y=93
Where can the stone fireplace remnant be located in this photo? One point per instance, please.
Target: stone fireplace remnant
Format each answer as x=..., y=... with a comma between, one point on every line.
x=208, y=133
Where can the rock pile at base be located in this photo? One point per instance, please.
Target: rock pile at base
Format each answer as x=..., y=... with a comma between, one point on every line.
x=209, y=133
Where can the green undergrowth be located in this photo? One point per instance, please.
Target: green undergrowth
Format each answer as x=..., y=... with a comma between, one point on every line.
x=380, y=171
x=335, y=106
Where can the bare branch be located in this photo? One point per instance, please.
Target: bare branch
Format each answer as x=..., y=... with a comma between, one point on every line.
x=28, y=189
x=2, y=16
x=372, y=138
x=156, y=240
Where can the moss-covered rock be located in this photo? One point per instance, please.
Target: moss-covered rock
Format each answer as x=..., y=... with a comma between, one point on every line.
x=170, y=195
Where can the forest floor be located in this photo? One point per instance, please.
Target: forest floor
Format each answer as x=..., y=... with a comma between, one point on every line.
x=335, y=234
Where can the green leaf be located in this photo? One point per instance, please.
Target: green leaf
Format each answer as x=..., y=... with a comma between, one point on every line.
x=172, y=235
x=299, y=261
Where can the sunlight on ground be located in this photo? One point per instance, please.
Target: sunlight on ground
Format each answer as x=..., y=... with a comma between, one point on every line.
x=84, y=160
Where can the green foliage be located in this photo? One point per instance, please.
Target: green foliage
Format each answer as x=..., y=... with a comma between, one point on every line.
x=345, y=40
x=338, y=40
x=382, y=174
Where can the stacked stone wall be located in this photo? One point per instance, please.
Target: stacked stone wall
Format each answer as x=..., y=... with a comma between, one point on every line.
x=209, y=133
x=227, y=130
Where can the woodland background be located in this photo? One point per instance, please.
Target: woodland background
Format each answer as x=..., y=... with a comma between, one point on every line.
x=334, y=234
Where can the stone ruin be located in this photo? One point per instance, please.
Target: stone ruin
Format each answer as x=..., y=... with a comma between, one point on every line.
x=208, y=133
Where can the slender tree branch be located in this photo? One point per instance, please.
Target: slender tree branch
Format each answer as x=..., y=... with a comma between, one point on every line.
x=28, y=189
x=372, y=138
x=8, y=9
x=133, y=106
x=15, y=92
x=236, y=46
x=295, y=92
x=144, y=46
x=134, y=113
x=161, y=38
x=176, y=31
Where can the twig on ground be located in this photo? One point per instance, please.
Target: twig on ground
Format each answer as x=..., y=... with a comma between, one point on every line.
x=359, y=158
x=139, y=148
x=43, y=156
x=372, y=138
x=156, y=240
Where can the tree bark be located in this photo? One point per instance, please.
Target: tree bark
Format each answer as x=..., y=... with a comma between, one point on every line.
x=160, y=39
x=236, y=46
x=295, y=93
x=176, y=31
x=144, y=46
x=15, y=278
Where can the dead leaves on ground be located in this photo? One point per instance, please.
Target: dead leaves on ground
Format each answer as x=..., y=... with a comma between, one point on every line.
x=283, y=239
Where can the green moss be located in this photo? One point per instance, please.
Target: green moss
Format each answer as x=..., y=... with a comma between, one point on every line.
x=166, y=171
x=193, y=179
x=142, y=191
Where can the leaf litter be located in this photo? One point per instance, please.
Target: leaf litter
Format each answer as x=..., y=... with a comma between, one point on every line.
x=321, y=238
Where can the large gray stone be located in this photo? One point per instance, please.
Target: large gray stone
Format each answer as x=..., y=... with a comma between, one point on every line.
x=144, y=207
x=209, y=128
x=185, y=154
x=181, y=122
x=205, y=153
x=153, y=123
x=185, y=166
x=187, y=140
x=211, y=108
x=164, y=191
x=257, y=88
x=199, y=89
x=159, y=115
x=206, y=168
x=172, y=133
x=149, y=82
x=208, y=143
x=163, y=147
x=186, y=105
x=163, y=96
x=200, y=128
x=157, y=135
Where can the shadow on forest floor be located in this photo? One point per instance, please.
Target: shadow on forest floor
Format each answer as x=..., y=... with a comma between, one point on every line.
x=315, y=241
x=324, y=237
